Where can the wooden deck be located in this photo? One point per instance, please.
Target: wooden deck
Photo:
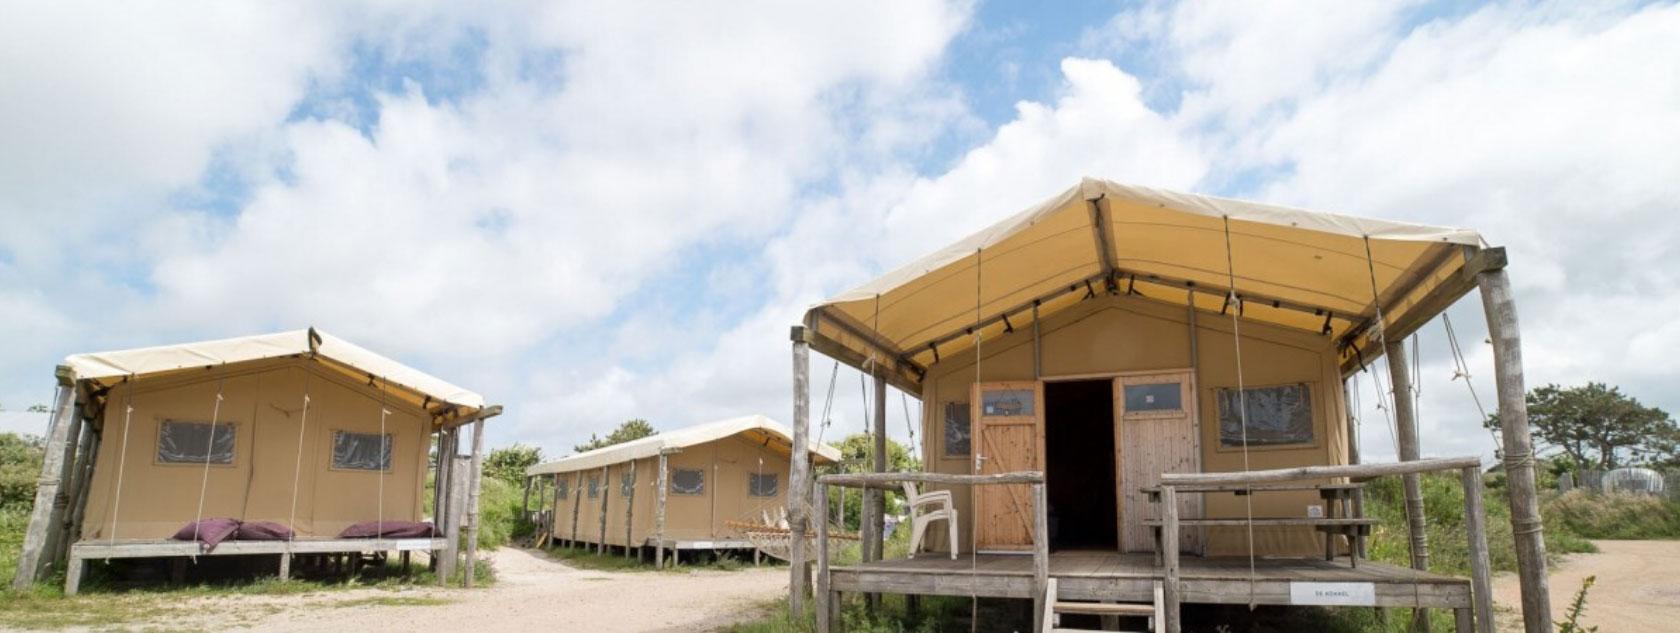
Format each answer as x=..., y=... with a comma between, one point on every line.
x=85, y=551
x=1097, y=575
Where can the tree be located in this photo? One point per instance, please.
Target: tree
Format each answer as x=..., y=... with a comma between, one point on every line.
x=630, y=430
x=509, y=462
x=1596, y=426
x=37, y=408
x=856, y=457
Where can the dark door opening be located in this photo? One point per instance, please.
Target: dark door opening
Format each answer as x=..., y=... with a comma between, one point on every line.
x=1079, y=464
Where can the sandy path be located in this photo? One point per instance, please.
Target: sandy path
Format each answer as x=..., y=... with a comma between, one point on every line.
x=533, y=592
x=1638, y=587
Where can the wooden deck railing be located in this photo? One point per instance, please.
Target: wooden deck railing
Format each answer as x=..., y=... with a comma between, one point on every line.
x=828, y=609
x=1470, y=477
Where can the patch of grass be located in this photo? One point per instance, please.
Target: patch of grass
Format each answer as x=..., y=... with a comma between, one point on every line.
x=392, y=601
x=1443, y=508
x=894, y=616
x=1615, y=516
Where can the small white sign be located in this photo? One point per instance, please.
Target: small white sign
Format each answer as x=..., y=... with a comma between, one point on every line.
x=1356, y=594
x=1315, y=511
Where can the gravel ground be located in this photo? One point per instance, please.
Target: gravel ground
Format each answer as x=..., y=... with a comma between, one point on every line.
x=1638, y=587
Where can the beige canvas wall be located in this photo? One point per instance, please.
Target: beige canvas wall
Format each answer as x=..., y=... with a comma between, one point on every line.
x=264, y=403
x=1106, y=335
x=727, y=464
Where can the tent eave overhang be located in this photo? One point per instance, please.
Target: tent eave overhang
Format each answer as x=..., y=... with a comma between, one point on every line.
x=1332, y=274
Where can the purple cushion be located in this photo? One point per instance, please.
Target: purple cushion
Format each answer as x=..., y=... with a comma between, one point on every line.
x=210, y=532
x=390, y=529
x=263, y=531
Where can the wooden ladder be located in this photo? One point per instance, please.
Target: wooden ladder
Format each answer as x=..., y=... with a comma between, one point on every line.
x=1055, y=607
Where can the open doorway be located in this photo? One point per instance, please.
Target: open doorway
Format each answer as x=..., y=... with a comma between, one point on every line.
x=1079, y=464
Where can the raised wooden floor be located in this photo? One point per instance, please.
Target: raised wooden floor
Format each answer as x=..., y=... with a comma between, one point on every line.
x=1087, y=575
x=85, y=551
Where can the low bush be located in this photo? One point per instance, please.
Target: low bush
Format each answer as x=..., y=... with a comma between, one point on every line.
x=1615, y=515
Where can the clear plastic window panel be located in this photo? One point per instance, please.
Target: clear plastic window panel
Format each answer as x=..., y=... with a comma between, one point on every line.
x=956, y=429
x=1006, y=402
x=1165, y=396
x=594, y=487
x=192, y=443
x=626, y=484
x=1276, y=416
x=562, y=488
x=361, y=451
x=686, y=481
x=765, y=485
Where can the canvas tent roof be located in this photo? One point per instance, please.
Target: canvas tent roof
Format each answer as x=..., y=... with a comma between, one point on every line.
x=1296, y=268
x=755, y=427
x=411, y=385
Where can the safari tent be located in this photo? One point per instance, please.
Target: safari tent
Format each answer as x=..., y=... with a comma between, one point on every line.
x=1118, y=360
x=297, y=428
x=673, y=491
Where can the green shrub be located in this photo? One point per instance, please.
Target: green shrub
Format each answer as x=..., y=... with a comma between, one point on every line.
x=20, y=466
x=1615, y=516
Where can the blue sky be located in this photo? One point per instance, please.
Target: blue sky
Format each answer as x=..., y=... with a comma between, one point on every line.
x=595, y=213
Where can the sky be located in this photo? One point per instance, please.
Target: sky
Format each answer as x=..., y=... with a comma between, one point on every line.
x=591, y=212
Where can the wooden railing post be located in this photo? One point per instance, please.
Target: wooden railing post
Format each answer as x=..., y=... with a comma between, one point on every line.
x=822, y=597
x=1169, y=558
x=1475, y=528
x=1041, y=558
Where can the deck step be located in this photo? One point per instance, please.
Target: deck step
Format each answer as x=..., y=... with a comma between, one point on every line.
x=1105, y=608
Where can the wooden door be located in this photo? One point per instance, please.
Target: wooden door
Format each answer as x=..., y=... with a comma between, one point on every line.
x=1009, y=437
x=1155, y=428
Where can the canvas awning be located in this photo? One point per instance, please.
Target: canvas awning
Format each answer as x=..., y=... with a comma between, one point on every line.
x=1307, y=270
x=756, y=428
x=405, y=383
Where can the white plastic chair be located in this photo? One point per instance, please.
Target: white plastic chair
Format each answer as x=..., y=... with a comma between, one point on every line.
x=919, y=520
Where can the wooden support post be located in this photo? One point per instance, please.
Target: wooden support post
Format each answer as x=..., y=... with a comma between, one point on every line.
x=1169, y=559
x=457, y=502
x=1518, y=449
x=577, y=506
x=606, y=494
x=630, y=509
x=878, y=498
x=75, y=497
x=1475, y=529
x=44, y=518
x=1041, y=557
x=525, y=504
x=799, y=476
x=78, y=505
x=1463, y=621
x=73, y=574
x=441, y=490
x=1405, y=421
x=477, y=474
x=1352, y=429
x=659, y=513
x=286, y=564
x=825, y=623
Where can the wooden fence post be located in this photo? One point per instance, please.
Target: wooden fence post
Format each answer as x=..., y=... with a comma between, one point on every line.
x=822, y=598
x=1041, y=557
x=1169, y=558
x=1475, y=529
x=1518, y=448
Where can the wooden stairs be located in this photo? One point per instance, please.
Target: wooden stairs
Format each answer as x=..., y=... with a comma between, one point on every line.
x=1110, y=612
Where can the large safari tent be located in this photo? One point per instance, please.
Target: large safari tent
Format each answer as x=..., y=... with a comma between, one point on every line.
x=298, y=428
x=672, y=491
x=1090, y=360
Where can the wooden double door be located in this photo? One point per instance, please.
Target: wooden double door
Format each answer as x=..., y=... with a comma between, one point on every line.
x=1155, y=431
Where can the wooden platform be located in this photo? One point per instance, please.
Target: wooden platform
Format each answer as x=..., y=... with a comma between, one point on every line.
x=84, y=551
x=1088, y=575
